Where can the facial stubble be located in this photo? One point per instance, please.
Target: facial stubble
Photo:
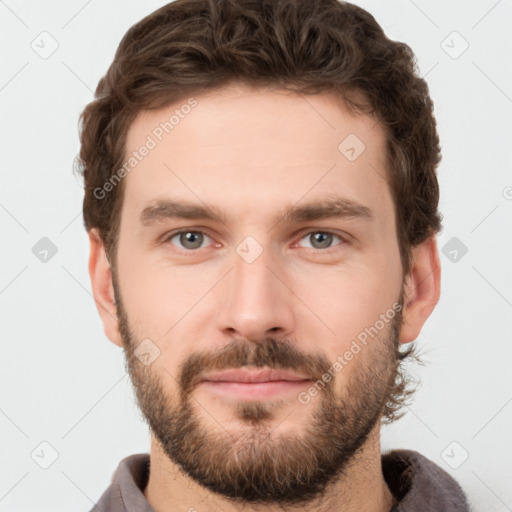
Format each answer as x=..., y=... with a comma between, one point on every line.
x=259, y=464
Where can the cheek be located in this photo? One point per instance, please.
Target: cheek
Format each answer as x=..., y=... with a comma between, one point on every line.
x=163, y=299
x=347, y=299
x=158, y=296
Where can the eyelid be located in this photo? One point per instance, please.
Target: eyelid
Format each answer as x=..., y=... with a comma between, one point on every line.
x=345, y=238
x=168, y=236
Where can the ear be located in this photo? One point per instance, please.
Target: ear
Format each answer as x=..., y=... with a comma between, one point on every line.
x=102, y=288
x=422, y=289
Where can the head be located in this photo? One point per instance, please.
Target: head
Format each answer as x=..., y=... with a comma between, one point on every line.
x=219, y=139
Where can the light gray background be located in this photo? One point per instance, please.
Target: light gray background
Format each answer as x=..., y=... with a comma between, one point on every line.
x=63, y=383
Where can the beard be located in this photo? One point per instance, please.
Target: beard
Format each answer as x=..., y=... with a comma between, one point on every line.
x=257, y=464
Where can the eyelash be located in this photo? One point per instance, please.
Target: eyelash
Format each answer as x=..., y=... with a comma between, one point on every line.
x=344, y=240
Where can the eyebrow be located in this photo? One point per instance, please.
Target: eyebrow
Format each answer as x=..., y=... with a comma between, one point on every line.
x=330, y=207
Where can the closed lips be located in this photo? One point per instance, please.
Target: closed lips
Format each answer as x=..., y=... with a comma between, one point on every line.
x=253, y=376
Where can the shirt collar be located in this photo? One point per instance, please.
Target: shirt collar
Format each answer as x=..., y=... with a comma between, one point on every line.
x=417, y=483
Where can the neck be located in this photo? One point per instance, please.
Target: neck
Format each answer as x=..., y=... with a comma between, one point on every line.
x=360, y=488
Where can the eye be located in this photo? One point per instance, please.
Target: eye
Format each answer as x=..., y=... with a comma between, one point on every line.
x=189, y=239
x=322, y=239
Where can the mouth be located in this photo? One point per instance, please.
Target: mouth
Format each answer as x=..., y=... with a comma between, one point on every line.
x=254, y=384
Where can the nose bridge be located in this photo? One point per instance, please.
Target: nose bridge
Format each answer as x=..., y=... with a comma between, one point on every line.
x=257, y=300
x=251, y=275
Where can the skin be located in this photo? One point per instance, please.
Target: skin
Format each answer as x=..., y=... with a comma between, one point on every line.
x=251, y=153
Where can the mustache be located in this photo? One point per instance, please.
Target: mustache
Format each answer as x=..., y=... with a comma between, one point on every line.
x=270, y=353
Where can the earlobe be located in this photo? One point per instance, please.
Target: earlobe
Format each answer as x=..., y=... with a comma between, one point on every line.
x=422, y=289
x=102, y=287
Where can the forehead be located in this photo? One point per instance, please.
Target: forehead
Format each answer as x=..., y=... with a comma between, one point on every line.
x=256, y=149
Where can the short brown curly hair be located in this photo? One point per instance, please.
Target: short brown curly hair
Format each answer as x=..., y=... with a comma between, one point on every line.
x=306, y=46
x=191, y=46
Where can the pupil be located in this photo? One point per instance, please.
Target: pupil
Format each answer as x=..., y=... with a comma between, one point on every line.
x=322, y=238
x=191, y=238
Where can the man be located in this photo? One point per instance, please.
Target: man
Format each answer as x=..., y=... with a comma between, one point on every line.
x=261, y=202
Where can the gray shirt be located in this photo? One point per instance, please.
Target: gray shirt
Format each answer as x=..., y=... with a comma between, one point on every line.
x=417, y=483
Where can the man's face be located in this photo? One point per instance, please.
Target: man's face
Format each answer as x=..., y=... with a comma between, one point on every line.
x=249, y=290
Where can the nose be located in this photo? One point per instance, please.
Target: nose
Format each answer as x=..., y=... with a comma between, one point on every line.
x=256, y=298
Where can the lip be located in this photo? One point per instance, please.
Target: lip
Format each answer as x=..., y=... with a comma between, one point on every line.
x=254, y=385
x=254, y=376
